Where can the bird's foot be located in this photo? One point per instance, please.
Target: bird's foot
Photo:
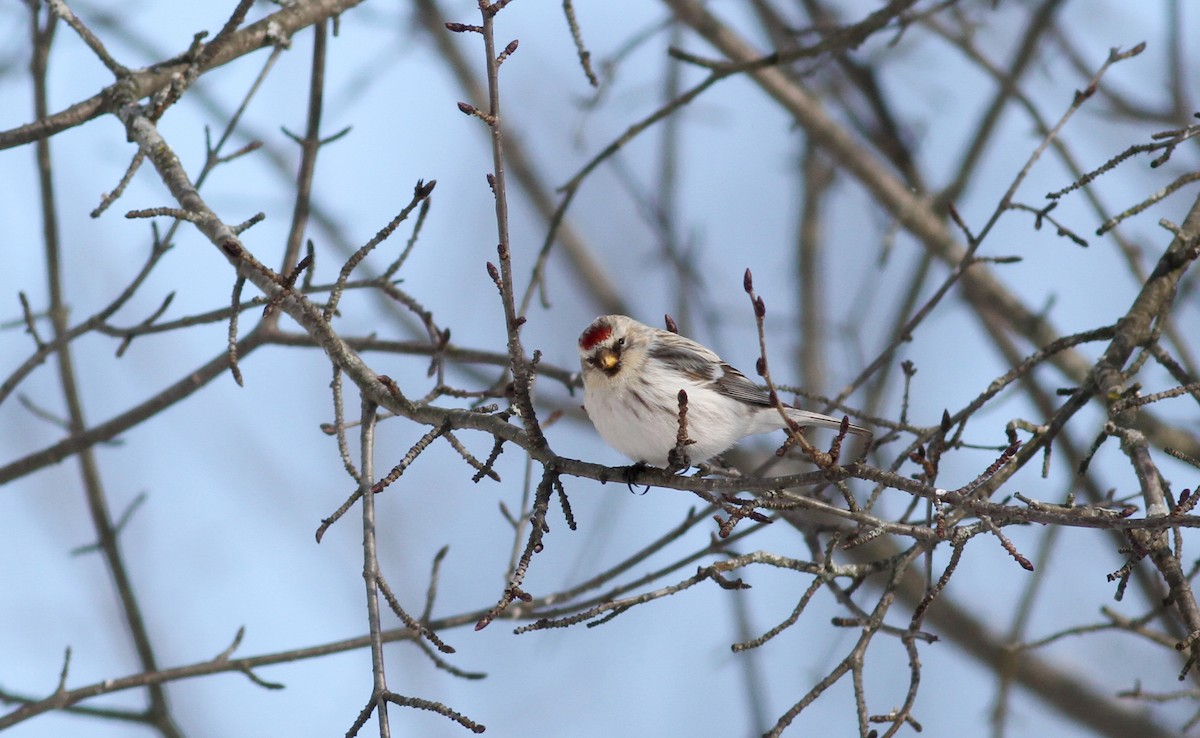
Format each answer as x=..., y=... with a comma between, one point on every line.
x=717, y=467
x=631, y=472
x=677, y=460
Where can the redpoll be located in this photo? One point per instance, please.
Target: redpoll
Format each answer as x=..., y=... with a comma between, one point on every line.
x=632, y=375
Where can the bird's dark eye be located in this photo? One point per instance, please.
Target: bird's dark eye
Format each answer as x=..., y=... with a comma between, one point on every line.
x=620, y=342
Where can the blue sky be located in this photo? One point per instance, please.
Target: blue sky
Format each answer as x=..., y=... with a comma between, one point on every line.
x=237, y=479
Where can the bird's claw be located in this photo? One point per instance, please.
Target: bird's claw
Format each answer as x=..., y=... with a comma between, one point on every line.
x=631, y=472
x=677, y=460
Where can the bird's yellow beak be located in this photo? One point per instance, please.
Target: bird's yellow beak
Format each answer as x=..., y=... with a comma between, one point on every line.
x=608, y=359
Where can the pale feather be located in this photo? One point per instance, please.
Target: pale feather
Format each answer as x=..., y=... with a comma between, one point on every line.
x=635, y=408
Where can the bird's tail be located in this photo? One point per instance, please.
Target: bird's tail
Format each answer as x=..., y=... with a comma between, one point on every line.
x=805, y=417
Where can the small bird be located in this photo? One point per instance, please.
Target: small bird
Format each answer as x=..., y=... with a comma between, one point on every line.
x=632, y=375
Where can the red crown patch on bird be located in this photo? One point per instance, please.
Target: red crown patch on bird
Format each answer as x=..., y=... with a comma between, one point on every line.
x=594, y=335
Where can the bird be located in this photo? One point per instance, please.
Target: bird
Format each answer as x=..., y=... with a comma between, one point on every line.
x=632, y=375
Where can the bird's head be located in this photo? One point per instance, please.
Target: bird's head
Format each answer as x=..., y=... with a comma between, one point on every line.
x=611, y=344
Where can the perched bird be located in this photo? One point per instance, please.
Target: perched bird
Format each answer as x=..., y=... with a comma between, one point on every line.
x=632, y=375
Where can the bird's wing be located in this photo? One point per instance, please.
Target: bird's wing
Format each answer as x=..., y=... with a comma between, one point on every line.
x=695, y=361
x=736, y=385
x=703, y=366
